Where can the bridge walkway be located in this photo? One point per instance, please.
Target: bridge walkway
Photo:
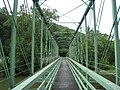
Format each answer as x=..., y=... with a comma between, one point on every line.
x=64, y=79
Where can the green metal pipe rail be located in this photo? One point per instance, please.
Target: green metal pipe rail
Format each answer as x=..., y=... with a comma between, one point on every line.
x=51, y=48
x=76, y=46
x=49, y=72
x=46, y=75
x=78, y=69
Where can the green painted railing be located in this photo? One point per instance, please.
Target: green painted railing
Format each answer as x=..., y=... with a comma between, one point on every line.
x=80, y=51
x=43, y=51
x=44, y=77
x=78, y=70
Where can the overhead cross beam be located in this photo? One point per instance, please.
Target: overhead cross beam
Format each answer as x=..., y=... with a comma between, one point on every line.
x=85, y=13
x=84, y=2
x=42, y=14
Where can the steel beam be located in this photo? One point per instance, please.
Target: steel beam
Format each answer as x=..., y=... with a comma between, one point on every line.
x=46, y=45
x=116, y=42
x=82, y=76
x=13, y=45
x=41, y=43
x=33, y=39
x=86, y=29
x=25, y=85
x=81, y=54
x=95, y=40
x=85, y=13
x=108, y=85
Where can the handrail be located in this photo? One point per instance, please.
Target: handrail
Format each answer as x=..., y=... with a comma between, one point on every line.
x=99, y=79
x=35, y=77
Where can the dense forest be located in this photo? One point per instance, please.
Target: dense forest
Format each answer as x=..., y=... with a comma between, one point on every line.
x=61, y=34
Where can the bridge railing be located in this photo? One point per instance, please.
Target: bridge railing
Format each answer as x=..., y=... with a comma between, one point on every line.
x=32, y=43
x=86, y=46
x=44, y=78
x=83, y=77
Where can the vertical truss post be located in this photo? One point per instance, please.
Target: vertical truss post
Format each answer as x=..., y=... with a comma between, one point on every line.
x=72, y=51
x=13, y=45
x=76, y=52
x=49, y=50
x=51, y=47
x=69, y=50
x=81, y=46
x=75, y=49
x=57, y=50
x=46, y=47
x=33, y=39
x=116, y=43
x=86, y=29
x=95, y=40
x=56, y=53
x=54, y=48
x=78, y=47
x=41, y=43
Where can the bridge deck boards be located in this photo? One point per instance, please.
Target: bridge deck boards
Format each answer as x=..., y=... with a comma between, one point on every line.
x=64, y=79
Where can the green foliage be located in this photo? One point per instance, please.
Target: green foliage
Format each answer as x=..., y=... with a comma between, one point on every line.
x=102, y=41
x=23, y=39
x=5, y=30
x=50, y=15
x=63, y=36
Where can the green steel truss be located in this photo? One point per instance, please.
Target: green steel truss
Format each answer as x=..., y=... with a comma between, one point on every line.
x=76, y=59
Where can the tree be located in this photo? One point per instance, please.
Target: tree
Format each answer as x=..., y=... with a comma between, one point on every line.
x=50, y=14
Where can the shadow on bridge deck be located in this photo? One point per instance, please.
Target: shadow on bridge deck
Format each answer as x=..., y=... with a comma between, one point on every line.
x=64, y=79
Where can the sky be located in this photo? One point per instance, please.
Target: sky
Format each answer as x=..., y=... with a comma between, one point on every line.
x=63, y=6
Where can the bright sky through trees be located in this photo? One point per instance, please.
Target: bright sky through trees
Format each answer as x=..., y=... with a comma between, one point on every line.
x=64, y=6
